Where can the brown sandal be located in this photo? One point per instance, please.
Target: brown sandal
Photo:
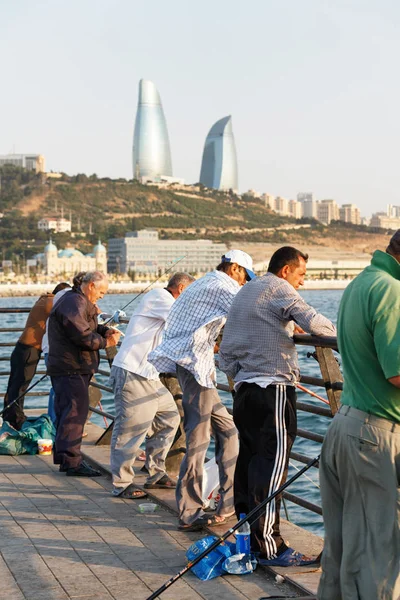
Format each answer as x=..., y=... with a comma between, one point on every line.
x=132, y=493
x=215, y=520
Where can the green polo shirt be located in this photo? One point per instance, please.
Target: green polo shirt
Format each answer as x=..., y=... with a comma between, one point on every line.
x=369, y=338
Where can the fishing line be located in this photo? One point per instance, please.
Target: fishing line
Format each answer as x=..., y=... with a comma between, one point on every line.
x=147, y=287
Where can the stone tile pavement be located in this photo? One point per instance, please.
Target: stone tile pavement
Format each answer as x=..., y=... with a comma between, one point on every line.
x=63, y=537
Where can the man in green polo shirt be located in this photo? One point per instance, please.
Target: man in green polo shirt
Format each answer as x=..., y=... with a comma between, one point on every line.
x=360, y=461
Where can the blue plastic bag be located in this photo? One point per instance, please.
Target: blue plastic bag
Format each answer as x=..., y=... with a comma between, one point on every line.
x=211, y=565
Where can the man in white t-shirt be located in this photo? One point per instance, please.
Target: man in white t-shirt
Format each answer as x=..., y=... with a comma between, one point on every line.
x=141, y=401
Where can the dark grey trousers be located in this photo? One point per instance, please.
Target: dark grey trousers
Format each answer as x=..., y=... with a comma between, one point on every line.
x=204, y=414
x=360, y=491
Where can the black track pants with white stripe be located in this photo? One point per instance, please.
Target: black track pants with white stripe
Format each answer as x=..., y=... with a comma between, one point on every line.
x=266, y=420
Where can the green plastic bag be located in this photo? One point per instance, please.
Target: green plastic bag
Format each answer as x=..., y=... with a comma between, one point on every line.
x=15, y=442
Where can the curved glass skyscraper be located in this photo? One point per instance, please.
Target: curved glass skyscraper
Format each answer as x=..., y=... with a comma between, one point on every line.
x=151, y=151
x=219, y=164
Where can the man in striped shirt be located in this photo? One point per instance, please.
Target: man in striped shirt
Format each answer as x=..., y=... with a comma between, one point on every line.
x=188, y=347
x=258, y=352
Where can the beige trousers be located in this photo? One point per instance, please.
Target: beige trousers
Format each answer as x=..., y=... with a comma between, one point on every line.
x=140, y=404
x=360, y=479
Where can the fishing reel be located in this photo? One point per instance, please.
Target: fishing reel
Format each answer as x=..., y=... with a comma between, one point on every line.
x=111, y=320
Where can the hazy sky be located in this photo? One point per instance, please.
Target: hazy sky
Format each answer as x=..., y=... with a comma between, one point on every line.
x=312, y=86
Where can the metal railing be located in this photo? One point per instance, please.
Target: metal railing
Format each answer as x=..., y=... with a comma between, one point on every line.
x=333, y=388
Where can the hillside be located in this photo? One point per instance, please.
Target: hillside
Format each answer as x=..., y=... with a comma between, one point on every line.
x=108, y=208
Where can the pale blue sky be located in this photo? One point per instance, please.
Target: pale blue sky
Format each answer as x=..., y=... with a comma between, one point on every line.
x=312, y=86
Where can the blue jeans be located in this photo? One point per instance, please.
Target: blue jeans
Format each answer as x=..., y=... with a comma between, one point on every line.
x=50, y=410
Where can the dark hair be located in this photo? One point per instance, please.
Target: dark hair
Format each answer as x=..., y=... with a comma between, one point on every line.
x=60, y=286
x=180, y=278
x=287, y=255
x=77, y=280
x=224, y=266
x=394, y=244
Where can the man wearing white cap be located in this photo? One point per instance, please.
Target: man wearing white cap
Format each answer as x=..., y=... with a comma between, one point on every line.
x=188, y=347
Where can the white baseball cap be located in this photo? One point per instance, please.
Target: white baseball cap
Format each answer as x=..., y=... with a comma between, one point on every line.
x=242, y=259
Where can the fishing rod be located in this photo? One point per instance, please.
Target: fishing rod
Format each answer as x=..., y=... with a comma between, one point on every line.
x=222, y=538
x=147, y=287
x=307, y=391
x=22, y=395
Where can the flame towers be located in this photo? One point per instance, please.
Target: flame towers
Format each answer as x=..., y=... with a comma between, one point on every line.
x=219, y=164
x=151, y=151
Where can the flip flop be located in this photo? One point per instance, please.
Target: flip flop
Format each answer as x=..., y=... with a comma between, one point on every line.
x=195, y=526
x=132, y=493
x=215, y=520
x=165, y=483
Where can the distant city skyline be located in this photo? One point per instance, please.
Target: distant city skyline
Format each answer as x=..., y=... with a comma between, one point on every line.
x=311, y=88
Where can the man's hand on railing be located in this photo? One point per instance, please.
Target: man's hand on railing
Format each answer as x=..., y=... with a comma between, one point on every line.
x=298, y=329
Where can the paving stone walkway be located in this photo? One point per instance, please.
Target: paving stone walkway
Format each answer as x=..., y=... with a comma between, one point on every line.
x=64, y=537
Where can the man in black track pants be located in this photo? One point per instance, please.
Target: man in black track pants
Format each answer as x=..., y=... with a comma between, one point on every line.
x=259, y=353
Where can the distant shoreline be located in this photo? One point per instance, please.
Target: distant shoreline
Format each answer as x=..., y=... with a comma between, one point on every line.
x=13, y=290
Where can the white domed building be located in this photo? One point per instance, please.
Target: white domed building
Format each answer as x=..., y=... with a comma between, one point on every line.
x=70, y=260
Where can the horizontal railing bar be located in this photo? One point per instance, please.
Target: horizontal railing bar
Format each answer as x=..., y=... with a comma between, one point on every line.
x=302, y=458
x=31, y=394
x=10, y=329
x=8, y=358
x=102, y=372
x=314, y=409
x=5, y=373
x=101, y=387
x=223, y=387
x=309, y=435
x=303, y=503
x=337, y=385
x=7, y=344
x=312, y=380
x=102, y=412
x=304, y=339
x=15, y=310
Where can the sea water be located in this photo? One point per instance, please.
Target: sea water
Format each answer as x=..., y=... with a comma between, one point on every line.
x=325, y=301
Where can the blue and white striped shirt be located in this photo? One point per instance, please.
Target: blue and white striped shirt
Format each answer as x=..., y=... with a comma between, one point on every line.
x=193, y=324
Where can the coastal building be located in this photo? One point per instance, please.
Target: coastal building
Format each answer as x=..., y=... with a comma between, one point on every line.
x=253, y=194
x=295, y=209
x=219, y=164
x=281, y=206
x=327, y=211
x=57, y=224
x=69, y=261
x=393, y=211
x=350, y=213
x=383, y=221
x=151, y=150
x=31, y=162
x=143, y=252
x=309, y=204
x=269, y=200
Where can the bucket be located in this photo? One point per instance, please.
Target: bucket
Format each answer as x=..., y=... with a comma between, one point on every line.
x=45, y=447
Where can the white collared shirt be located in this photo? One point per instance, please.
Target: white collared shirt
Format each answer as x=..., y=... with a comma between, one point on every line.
x=144, y=333
x=193, y=326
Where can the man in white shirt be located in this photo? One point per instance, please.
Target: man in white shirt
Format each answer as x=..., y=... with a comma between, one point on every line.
x=188, y=347
x=141, y=401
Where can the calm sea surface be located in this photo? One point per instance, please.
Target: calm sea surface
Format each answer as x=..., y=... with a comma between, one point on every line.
x=325, y=301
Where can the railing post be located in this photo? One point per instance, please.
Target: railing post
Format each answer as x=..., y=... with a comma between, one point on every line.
x=331, y=375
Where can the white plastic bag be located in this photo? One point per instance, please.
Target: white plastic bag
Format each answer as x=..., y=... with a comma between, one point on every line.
x=210, y=493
